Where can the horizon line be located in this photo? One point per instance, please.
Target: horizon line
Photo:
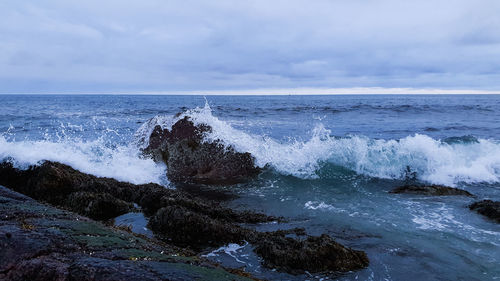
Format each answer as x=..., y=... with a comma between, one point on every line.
x=283, y=92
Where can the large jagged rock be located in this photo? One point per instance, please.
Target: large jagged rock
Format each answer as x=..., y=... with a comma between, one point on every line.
x=488, y=208
x=179, y=218
x=192, y=159
x=434, y=190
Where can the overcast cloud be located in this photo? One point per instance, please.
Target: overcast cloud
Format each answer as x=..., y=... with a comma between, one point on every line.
x=160, y=45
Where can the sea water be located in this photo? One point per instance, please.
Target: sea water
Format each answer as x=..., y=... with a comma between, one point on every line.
x=329, y=162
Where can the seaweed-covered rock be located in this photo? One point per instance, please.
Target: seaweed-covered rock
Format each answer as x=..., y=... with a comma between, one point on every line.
x=488, y=208
x=191, y=158
x=314, y=253
x=42, y=243
x=194, y=230
x=179, y=218
x=98, y=206
x=434, y=190
x=60, y=185
x=293, y=255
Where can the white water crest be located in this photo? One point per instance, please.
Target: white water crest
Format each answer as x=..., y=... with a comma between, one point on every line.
x=93, y=157
x=432, y=160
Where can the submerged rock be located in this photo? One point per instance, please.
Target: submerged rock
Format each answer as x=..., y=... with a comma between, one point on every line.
x=313, y=253
x=179, y=218
x=435, y=190
x=191, y=158
x=488, y=208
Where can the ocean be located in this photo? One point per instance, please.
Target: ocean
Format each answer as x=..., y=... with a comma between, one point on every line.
x=328, y=165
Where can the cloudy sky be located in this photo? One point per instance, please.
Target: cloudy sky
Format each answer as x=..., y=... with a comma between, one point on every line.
x=161, y=45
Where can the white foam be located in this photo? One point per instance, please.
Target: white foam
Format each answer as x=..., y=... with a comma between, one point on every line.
x=314, y=205
x=229, y=249
x=432, y=160
x=443, y=218
x=93, y=157
x=297, y=158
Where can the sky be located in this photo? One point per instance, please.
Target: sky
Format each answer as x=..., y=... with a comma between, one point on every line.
x=116, y=46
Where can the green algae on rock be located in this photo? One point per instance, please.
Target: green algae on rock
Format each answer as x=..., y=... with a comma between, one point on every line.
x=64, y=246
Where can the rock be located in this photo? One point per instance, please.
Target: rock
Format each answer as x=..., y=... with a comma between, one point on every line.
x=313, y=254
x=63, y=246
x=434, y=190
x=488, y=208
x=190, y=158
x=98, y=206
x=43, y=268
x=194, y=230
x=293, y=255
x=178, y=218
x=60, y=185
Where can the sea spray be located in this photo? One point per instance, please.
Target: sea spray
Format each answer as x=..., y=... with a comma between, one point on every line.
x=94, y=157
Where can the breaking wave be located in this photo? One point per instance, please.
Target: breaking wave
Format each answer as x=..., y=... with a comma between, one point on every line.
x=449, y=161
x=93, y=157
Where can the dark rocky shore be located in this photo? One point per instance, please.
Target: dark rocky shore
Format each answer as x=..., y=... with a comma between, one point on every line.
x=40, y=242
x=179, y=219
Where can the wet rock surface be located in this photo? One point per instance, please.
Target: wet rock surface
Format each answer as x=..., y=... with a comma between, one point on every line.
x=99, y=206
x=190, y=158
x=433, y=190
x=180, y=219
x=194, y=230
x=39, y=242
x=488, y=208
x=311, y=253
x=59, y=185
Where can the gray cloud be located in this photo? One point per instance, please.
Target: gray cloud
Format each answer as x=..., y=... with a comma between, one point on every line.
x=158, y=45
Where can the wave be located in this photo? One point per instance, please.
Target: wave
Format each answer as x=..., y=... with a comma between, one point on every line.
x=93, y=157
x=449, y=162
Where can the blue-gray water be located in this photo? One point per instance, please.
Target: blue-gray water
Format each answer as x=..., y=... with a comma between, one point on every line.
x=329, y=163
